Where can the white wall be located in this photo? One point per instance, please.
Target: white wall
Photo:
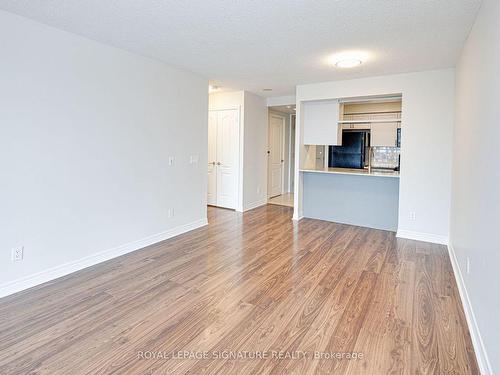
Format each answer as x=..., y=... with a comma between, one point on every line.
x=281, y=100
x=255, y=152
x=86, y=132
x=427, y=121
x=475, y=205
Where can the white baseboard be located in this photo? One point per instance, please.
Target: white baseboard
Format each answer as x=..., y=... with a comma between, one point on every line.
x=91, y=260
x=481, y=354
x=420, y=236
x=256, y=204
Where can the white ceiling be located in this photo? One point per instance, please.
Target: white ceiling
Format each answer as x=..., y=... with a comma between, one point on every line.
x=256, y=44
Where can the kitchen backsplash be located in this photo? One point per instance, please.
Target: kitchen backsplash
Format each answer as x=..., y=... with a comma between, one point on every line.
x=384, y=157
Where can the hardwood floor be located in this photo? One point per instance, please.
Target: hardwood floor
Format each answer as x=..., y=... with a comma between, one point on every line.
x=255, y=285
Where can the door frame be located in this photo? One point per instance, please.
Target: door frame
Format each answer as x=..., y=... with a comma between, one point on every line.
x=239, y=192
x=283, y=122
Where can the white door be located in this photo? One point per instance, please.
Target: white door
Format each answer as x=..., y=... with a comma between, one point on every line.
x=212, y=158
x=275, y=168
x=223, y=156
x=227, y=158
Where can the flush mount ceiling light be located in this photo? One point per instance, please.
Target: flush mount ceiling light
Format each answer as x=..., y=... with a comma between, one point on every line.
x=348, y=63
x=348, y=59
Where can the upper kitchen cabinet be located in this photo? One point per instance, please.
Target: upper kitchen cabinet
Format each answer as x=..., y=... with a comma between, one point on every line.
x=381, y=116
x=320, y=122
x=384, y=134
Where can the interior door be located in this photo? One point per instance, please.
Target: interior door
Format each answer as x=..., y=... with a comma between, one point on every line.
x=212, y=158
x=227, y=158
x=275, y=169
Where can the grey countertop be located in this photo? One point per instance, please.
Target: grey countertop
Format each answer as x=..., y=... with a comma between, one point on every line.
x=359, y=172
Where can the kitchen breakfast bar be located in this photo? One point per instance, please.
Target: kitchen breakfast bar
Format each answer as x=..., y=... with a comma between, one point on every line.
x=350, y=160
x=363, y=197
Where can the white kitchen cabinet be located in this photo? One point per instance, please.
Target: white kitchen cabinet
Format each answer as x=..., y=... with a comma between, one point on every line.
x=384, y=134
x=321, y=122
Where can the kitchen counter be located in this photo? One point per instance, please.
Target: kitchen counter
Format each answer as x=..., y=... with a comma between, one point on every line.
x=358, y=172
x=352, y=196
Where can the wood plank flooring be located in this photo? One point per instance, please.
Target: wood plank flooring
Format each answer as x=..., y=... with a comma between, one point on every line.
x=242, y=296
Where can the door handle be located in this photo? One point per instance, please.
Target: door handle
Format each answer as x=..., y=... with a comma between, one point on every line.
x=282, y=160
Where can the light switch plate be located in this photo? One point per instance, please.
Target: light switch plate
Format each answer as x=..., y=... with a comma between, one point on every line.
x=17, y=254
x=170, y=212
x=193, y=159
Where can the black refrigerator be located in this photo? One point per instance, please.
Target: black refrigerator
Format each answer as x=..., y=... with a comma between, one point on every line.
x=352, y=153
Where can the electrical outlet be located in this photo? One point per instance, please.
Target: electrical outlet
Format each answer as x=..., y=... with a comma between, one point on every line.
x=17, y=254
x=171, y=160
x=170, y=212
x=413, y=215
x=467, y=265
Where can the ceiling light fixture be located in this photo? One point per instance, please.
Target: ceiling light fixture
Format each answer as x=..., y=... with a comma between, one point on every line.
x=349, y=59
x=348, y=63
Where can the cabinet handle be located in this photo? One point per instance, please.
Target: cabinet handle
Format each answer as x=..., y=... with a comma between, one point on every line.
x=218, y=163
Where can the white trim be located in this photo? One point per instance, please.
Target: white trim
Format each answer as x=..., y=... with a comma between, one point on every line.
x=421, y=236
x=256, y=204
x=241, y=155
x=26, y=282
x=479, y=349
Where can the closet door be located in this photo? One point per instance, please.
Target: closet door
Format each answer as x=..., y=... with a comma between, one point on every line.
x=227, y=158
x=212, y=158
